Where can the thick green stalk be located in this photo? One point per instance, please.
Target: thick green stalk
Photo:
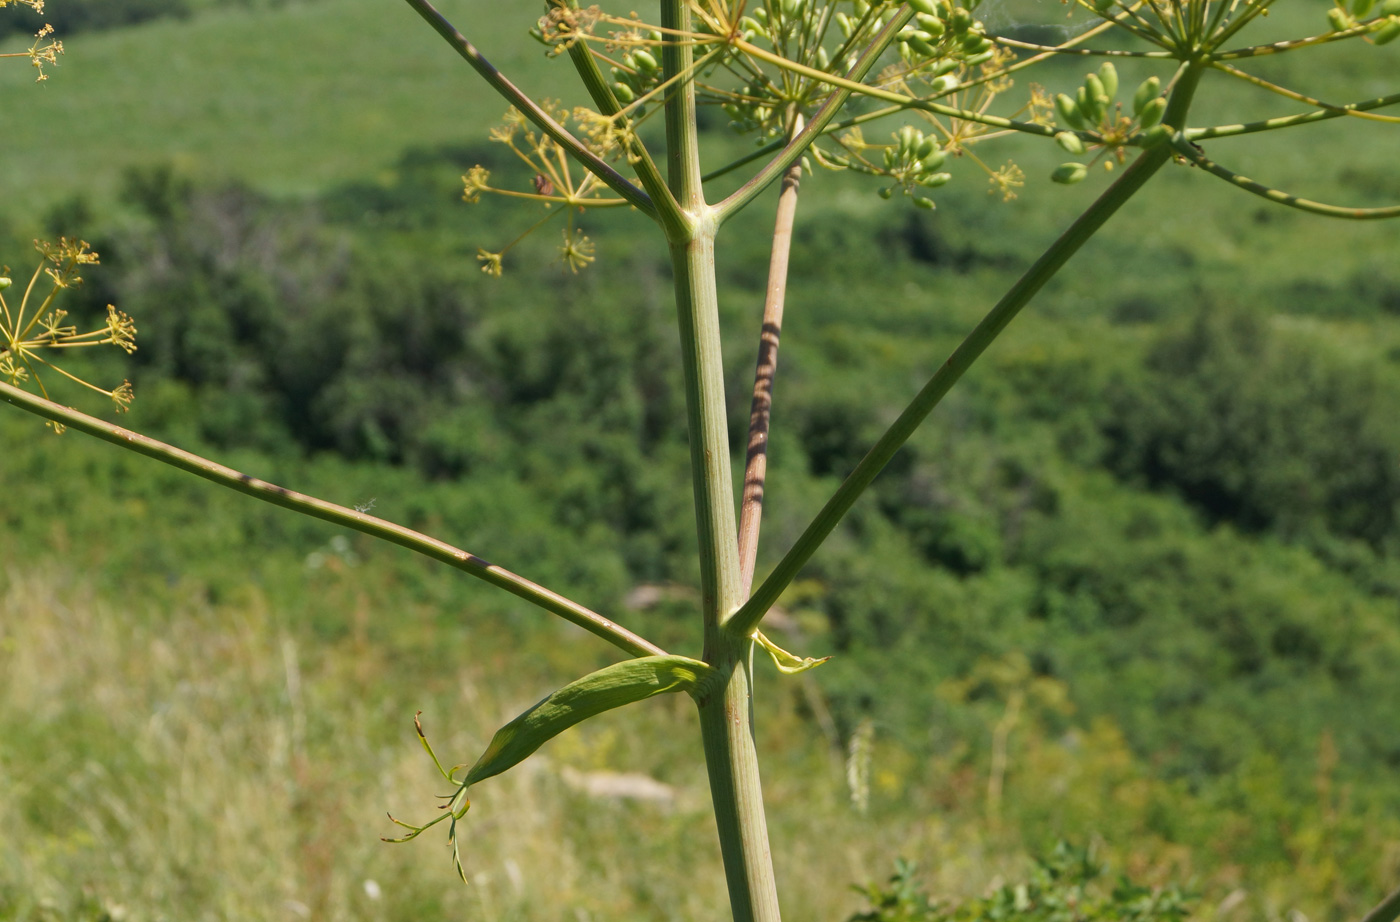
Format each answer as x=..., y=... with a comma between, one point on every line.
x=725, y=716
x=1134, y=178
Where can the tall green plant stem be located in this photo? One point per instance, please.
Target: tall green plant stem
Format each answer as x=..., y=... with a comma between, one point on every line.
x=1051, y=261
x=725, y=715
x=1387, y=910
x=370, y=525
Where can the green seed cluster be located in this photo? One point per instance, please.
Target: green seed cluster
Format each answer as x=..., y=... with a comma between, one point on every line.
x=941, y=30
x=640, y=73
x=1387, y=23
x=1093, y=111
x=913, y=160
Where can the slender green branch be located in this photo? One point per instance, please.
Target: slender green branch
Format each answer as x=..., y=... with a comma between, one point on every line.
x=550, y=601
x=542, y=119
x=1188, y=150
x=790, y=154
x=1289, y=121
x=1299, y=97
x=668, y=209
x=1255, y=51
x=1134, y=178
x=1082, y=52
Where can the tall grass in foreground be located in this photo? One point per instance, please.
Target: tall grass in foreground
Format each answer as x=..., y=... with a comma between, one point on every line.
x=180, y=758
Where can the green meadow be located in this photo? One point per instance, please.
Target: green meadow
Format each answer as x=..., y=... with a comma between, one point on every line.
x=1134, y=586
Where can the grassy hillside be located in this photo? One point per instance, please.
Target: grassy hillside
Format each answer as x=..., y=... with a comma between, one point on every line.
x=1147, y=552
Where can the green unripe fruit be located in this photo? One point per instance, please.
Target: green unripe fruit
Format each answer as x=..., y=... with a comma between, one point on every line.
x=789, y=8
x=943, y=84
x=862, y=7
x=934, y=180
x=925, y=203
x=925, y=149
x=623, y=92
x=924, y=7
x=644, y=61
x=1387, y=33
x=975, y=43
x=1101, y=6
x=1148, y=90
x=1095, y=88
x=1108, y=76
x=961, y=20
x=1362, y=8
x=1339, y=19
x=980, y=58
x=909, y=137
x=1088, y=107
x=1068, y=111
x=930, y=24
x=4, y=283
x=1152, y=112
x=1390, y=8
x=886, y=192
x=1067, y=174
x=921, y=42
x=1071, y=142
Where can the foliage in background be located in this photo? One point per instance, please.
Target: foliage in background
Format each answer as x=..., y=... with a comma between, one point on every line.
x=1205, y=614
x=1062, y=887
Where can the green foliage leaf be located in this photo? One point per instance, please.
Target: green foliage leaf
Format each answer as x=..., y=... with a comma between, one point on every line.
x=608, y=688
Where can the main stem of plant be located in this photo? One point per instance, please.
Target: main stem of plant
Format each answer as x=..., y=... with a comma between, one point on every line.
x=726, y=721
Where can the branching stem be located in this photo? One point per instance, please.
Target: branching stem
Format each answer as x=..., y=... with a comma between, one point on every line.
x=542, y=119
x=1134, y=178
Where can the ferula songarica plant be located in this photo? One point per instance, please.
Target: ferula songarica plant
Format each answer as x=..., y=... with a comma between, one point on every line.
x=907, y=96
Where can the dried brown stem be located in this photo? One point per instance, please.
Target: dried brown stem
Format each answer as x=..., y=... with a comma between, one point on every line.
x=756, y=462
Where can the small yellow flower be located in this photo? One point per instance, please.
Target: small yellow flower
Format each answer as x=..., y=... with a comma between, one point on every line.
x=490, y=263
x=577, y=251
x=474, y=183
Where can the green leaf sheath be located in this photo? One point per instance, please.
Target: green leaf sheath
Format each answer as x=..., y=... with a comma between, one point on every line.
x=608, y=688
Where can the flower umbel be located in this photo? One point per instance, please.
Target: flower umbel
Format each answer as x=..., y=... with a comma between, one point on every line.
x=30, y=329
